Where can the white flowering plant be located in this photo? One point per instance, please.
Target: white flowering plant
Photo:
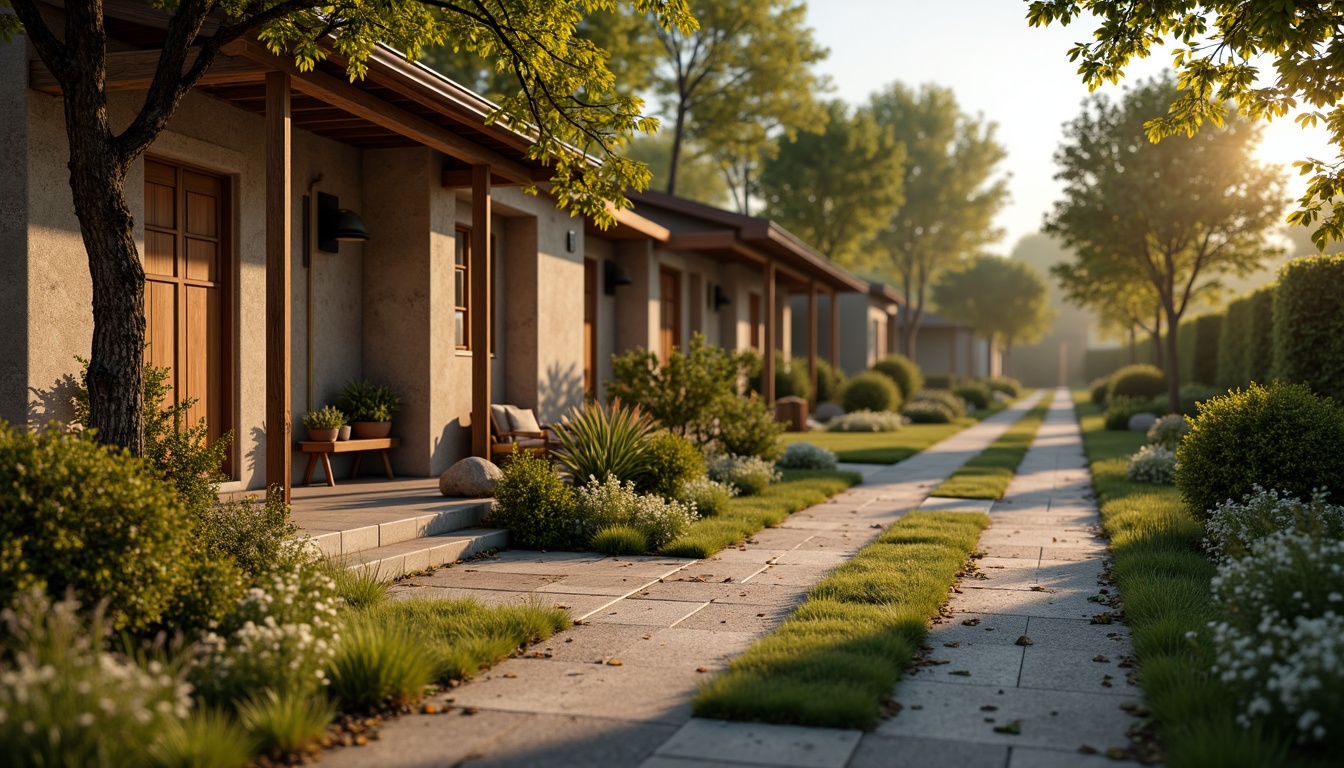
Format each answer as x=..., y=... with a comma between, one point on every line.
x=66, y=700
x=709, y=496
x=1279, y=642
x=1235, y=527
x=280, y=638
x=748, y=474
x=606, y=503
x=1168, y=431
x=1152, y=464
x=807, y=456
x=866, y=421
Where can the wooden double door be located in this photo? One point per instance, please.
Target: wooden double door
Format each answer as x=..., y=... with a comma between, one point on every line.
x=188, y=274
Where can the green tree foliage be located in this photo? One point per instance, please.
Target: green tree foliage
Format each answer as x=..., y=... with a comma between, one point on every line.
x=1308, y=325
x=697, y=178
x=1182, y=212
x=680, y=392
x=951, y=196
x=1219, y=48
x=836, y=189
x=1004, y=300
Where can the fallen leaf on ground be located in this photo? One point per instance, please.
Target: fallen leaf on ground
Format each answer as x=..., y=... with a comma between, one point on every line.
x=1014, y=728
x=469, y=710
x=702, y=669
x=961, y=672
x=1086, y=750
x=953, y=644
x=989, y=708
x=615, y=663
x=1024, y=640
x=1101, y=659
x=970, y=622
x=510, y=674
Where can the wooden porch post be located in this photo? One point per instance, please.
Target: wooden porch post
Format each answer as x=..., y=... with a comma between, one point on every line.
x=812, y=340
x=278, y=427
x=768, y=369
x=480, y=310
x=835, y=330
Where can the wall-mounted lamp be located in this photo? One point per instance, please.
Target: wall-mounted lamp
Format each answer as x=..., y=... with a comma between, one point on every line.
x=614, y=276
x=336, y=225
x=721, y=298
x=571, y=241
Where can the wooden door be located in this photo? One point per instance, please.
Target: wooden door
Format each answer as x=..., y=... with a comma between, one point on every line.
x=754, y=312
x=187, y=269
x=590, y=326
x=669, y=303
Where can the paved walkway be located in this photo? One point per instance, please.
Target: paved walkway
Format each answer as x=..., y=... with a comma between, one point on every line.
x=618, y=685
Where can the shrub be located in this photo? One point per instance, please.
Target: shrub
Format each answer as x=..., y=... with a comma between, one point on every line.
x=69, y=702
x=940, y=381
x=871, y=391
x=807, y=456
x=830, y=382
x=1235, y=527
x=1191, y=396
x=1100, y=389
x=535, y=505
x=379, y=663
x=1168, y=431
x=77, y=516
x=1308, y=343
x=791, y=377
x=903, y=372
x=955, y=405
x=597, y=440
x=1280, y=436
x=285, y=723
x=927, y=412
x=361, y=588
x=977, y=395
x=1260, y=345
x=1234, y=345
x=709, y=497
x=1204, y=356
x=327, y=418
x=1280, y=636
x=366, y=401
x=621, y=540
x=747, y=427
x=672, y=461
x=1152, y=464
x=1137, y=381
x=256, y=534
x=681, y=393
x=866, y=421
x=1005, y=384
x=607, y=503
x=748, y=474
x=279, y=638
x=1122, y=408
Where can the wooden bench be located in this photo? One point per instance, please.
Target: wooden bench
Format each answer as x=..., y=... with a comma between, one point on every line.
x=325, y=449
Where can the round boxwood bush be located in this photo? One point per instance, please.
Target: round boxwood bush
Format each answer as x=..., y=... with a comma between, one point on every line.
x=954, y=405
x=792, y=378
x=871, y=391
x=1281, y=437
x=1100, y=388
x=77, y=516
x=535, y=505
x=829, y=382
x=673, y=461
x=1005, y=384
x=1141, y=381
x=903, y=371
x=927, y=412
x=976, y=394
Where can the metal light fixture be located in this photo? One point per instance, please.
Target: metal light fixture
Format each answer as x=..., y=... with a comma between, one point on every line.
x=614, y=276
x=721, y=298
x=336, y=225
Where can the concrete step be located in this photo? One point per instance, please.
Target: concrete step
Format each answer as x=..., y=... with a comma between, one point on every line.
x=397, y=559
x=455, y=516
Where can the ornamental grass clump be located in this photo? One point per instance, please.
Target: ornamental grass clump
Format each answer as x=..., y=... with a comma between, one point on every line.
x=618, y=540
x=709, y=497
x=607, y=503
x=807, y=456
x=1168, y=431
x=866, y=421
x=1153, y=464
x=748, y=474
x=597, y=440
x=1235, y=527
x=378, y=664
x=1279, y=638
x=285, y=723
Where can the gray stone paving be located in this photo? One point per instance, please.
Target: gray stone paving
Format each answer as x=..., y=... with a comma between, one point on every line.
x=617, y=687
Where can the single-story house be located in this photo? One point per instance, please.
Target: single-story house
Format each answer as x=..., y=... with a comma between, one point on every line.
x=868, y=323
x=944, y=346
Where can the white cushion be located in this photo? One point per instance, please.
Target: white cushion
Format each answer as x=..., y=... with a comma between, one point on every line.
x=499, y=414
x=523, y=420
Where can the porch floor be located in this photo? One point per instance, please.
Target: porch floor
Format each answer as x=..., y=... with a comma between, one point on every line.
x=372, y=512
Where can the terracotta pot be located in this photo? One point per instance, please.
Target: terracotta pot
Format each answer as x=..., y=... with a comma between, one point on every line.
x=344, y=433
x=368, y=430
x=322, y=435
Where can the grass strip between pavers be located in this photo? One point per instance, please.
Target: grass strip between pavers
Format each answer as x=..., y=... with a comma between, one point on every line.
x=834, y=660
x=1164, y=581
x=889, y=447
x=987, y=474
x=799, y=489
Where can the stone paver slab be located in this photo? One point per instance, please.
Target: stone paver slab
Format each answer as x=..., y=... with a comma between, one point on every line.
x=685, y=648
x=878, y=751
x=786, y=746
x=568, y=741
x=942, y=504
x=737, y=617
x=662, y=613
x=575, y=688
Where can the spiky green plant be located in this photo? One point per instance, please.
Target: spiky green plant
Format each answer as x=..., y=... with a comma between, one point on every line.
x=206, y=739
x=621, y=540
x=379, y=663
x=282, y=724
x=598, y=440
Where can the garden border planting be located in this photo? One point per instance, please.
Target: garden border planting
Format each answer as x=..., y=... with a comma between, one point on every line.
x=987, y=475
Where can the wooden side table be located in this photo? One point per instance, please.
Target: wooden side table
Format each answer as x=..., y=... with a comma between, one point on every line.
x=325, y=449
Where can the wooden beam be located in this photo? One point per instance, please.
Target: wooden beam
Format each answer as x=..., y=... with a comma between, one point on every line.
x=457, y=179
x=278, y=426
x=768, y=369
x=835, y=330
x=134, y=71
x=360, y=103
x=812, y=341
x=480, y=310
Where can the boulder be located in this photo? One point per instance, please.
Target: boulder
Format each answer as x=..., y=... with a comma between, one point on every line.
x=470, y=478
x=1141, y=422
x=827, y=411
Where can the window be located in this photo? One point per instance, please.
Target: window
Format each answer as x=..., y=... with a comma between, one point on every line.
x=669, y=305
x=590, y=272
x=754, y=319
x=462, y=289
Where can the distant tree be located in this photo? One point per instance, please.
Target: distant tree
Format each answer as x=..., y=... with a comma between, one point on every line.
x=951, y=197
x=1124, y=300
x=1219, y=47
x=1180, y=213
x=1005, y=301
x=701, y=179
x=836, y=189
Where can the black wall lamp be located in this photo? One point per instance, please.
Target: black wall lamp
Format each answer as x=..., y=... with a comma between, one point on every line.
x=336, y=225
x=613, y=276
x=721, y=298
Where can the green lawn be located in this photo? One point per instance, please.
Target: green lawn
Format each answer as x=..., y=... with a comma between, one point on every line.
x=1163, y=577
x=888, y=447
x=800, y=488
x=833, y=661
x=987, y=475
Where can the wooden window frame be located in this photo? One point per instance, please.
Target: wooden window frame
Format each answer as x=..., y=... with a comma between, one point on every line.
x=462, y=235
x=591, y=271
x=672, y=277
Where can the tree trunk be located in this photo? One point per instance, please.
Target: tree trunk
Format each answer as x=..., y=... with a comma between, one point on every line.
x=674, y=161
x=1173, y=359
x=1133, y=346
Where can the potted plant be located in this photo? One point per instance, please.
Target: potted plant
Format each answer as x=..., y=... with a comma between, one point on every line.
x=323, y=425
x=371, y=407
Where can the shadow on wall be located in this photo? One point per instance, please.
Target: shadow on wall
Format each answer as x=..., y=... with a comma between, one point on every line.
x=258, y=441
x=454, y=442
x=55, y=403
x=558, y=391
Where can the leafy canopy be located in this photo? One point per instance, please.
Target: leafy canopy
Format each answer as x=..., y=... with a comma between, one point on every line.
x=1003, y=299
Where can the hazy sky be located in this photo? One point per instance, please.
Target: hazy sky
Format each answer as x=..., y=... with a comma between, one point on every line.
x=1016, y=75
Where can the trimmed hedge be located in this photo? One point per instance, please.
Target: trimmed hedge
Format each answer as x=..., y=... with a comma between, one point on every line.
x=1260, y=343
x=1234, y=348
x=1309, y=324
x=1204, y=357
x=1141, y=381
